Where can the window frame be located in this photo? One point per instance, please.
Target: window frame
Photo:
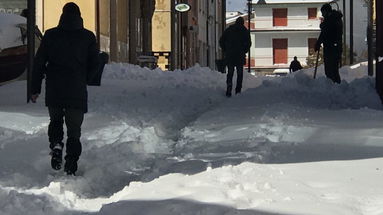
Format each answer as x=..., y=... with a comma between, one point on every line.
x=280, y=21
x=310, y=13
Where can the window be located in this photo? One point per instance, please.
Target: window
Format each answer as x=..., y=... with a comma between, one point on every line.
x=312, y=13
x=311, y=45
x=280, y=17
x=280, y=51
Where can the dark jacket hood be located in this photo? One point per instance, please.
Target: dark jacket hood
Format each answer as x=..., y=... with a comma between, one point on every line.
x=335, y=15
x=70, y=22
x=238, y=27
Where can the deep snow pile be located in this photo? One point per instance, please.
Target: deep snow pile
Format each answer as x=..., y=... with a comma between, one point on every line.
x=170, y=143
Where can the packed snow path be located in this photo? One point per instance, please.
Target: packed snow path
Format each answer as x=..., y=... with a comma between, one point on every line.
x=171, y=143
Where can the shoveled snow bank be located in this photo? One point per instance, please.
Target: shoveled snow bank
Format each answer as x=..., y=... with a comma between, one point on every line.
x=171, y=143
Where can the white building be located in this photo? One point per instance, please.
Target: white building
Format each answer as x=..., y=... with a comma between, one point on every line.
x=284, y=29
x=360, y=22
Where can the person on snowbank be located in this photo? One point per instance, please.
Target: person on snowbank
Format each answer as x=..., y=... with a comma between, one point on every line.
x=67, y=58
x=295, y=65
x=235, y=43
x=331, y=37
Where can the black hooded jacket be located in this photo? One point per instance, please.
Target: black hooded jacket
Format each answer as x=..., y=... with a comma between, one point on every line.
x=235, y=43
x=67, y=58
x=331, y=31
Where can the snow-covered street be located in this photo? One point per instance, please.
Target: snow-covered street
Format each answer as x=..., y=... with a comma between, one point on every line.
x=171, y=143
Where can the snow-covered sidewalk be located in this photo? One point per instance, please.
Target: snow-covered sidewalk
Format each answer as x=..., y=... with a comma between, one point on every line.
x=170, y=143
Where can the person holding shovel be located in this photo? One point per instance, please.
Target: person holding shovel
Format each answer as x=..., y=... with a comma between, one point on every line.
x=331, y=38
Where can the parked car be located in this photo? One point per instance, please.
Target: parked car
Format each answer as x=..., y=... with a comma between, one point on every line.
x=13, y=47
x=281, y=72
x=13, y=62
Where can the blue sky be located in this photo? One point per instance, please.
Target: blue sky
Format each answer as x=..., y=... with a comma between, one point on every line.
x=235, y=5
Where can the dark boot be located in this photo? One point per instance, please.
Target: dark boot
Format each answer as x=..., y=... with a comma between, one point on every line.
x=228, y=91
x=70, y=165
x=73, y=152
x=56, y=153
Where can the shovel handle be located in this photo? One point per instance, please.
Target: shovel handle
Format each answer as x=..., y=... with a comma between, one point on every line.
x=316, y=64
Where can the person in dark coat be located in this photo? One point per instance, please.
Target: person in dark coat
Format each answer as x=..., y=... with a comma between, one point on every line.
x=331, y=37
x=295, y=65
x=235, y=43
x=67, y=58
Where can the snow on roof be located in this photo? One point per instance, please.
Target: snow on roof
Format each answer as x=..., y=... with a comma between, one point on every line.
x=230, y=14
x=9, y=32
x=289, y=1
x=230, y=20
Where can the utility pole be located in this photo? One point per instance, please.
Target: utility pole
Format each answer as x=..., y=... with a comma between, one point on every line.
x=113, y=30
x=344, y=33
x=173, y=39
x=31, y=23
x=180, y=42
x=98, y=24
x=379, y=48
x=223, y=22
x=369, y=39
x=249, y=28
x=207, y=34
x=351, y=32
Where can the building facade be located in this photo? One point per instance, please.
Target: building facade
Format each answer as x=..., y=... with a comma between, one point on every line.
x=129, y=29
x=282, y=30
x=123, y=27
x=183, y=39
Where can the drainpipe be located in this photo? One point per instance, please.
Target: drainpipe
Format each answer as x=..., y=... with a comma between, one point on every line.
x=344, y=33
x=31, y=23
x=351, y=32
x=379, y=49
x=249, y=27
x=207, y=34
x=173, y=36
x=369, y=39
x=223, y=20
x=215, y=21
x=113, y=30
x=98, y=24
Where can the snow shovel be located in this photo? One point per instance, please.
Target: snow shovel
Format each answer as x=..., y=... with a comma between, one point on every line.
x=316, y=64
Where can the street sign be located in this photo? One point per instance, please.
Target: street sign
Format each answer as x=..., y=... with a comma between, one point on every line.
x=182, y=7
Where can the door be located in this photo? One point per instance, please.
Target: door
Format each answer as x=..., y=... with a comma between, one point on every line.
x=280, y=51
x=311, y=45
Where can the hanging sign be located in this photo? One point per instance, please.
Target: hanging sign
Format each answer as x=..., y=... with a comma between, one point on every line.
x=182, y=7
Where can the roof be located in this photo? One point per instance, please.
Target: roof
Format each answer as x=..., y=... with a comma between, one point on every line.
x=290, y=1
x=231, y=20
x=230, y=14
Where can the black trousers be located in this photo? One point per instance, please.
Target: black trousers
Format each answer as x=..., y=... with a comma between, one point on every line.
x=229, y=77
x=331, y=64
x=73, y=121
